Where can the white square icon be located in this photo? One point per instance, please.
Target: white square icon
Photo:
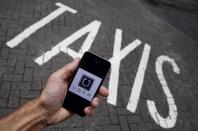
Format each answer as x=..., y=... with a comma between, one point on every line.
x=85, y=84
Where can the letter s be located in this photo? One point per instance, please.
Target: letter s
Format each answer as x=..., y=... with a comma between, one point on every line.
x=171, y=119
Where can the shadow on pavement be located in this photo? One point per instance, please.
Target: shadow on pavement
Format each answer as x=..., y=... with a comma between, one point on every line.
x=183, y=14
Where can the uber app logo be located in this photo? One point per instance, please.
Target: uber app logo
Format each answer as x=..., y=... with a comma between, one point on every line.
x=85, y=82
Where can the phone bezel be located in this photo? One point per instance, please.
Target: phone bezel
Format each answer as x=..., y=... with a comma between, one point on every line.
x=95, y=65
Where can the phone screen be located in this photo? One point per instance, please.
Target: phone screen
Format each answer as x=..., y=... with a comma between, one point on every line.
x=88, y=78
x=85, y=84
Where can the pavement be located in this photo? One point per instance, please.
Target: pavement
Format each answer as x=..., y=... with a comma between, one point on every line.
x=170, y=33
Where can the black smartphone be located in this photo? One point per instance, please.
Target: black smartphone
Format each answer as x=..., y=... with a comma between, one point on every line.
x=86, y=82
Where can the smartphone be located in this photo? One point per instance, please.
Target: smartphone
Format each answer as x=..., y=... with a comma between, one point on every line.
x=86, y=82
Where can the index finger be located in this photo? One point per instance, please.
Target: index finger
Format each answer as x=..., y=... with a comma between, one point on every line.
x=103, y=91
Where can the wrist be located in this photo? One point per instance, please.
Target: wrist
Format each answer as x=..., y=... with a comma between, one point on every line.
x=28, y=117
x=34, y=115
x=45, y=112
x=42, y=112
x=53, y=114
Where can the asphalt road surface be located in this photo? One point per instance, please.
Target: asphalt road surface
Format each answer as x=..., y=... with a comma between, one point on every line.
x=152, y=48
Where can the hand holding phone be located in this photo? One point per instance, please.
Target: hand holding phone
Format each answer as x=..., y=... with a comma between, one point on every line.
x=85, y=85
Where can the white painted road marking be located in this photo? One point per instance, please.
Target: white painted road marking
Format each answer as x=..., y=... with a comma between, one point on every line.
x=171, y=119
x=91, y=28
x=33, y=28
x=118, y=55
x=139, y=79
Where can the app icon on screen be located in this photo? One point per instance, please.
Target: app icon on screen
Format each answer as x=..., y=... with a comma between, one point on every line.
x=86, y=82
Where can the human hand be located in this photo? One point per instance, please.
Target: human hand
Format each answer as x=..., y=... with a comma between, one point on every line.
x=54, y=93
